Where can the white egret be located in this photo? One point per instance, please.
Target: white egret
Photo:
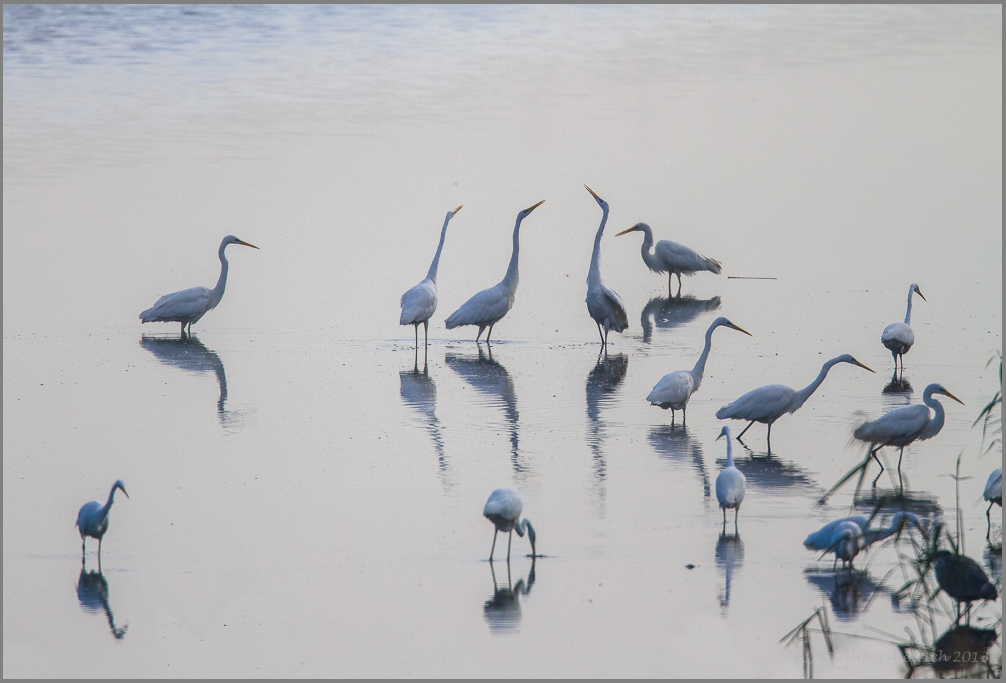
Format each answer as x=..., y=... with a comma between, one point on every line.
x=92, y=520
x=603, y=303
x=898, y=337
x=767, y=404
x=420, y=302
x=503, y=509
x=904, y=425
x=189, y=305
x=729, y=482
x=993, y=493
x=675, y=388
x=672, y=258
x=848, y=536
x=488, y=307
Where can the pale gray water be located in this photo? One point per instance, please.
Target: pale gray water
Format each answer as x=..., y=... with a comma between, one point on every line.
x=305, y=501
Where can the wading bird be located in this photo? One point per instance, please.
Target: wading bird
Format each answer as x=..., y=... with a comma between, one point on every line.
x=488, y=307
x=963, y=579
x=672, y=258
x=767, y=404
x=847, y=537
x=189, y=305
x=503, y=509
x=603, y=304
x=898, y=337
x=729, y=483
x=675, y=388
x=92, y=520
x=993, y=494
x=420, y=302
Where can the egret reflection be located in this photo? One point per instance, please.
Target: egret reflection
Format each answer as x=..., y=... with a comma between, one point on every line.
x=602, y=381
x=768, y=471
x=491, y=378
x=848, y=591
x=729, y=558
x=419, y=391
x=502, y=610
x=674, y=312
x=191, y=355
x=898, y=392
x=92, y=592
x=673, y=442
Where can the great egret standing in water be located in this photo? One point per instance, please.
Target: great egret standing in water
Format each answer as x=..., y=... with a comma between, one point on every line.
x=503, y=509
x=420, y=302
x=993, y=493
x=849, y=536
x=672, y=258
x=488, y=307
x=92, y=520
x=729, y=482
x=675, y=388
x=603, y=304
x=767, y=404
x=898, y=337
x=189, y=305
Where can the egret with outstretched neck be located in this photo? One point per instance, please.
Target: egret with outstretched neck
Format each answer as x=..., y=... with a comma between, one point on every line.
x=92, y=520
x=730, y=482
x=767, y=404
x=849, y=536
x=672, y=258
x=488, y=307
x=189, y=305
x=420, y=302
x=503, y=509
x=675, y=388
x=603, y=304
x=899, y=337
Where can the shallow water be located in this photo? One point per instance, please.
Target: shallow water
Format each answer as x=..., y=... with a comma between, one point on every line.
x=305, y=493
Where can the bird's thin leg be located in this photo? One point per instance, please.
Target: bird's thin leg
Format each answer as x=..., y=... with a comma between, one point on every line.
x=83, y=546
x=874, y=454
x=684, y=416
x=768, y=438
x=489, y=333
x=670, y=278
x=901, y=454
x=415, y=326
x=679, y=284
x=988, y=517
x=426, y=339
x=481, y=328
x=493, y=549
x=606, y=338
x=508, y=543
x=745, y=430
x=834, y=565
x=599, y=333
x=724, y=517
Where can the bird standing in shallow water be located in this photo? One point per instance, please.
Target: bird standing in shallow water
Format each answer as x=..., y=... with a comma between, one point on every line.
x=993, y=493
x=729, y=483
x=92, y=520
x=962, y=578
x=899, y=337
x=503, y=509
x=420, y=302
x=672, y=258
x=603, y=303
x=849, y=536
x=189, y=305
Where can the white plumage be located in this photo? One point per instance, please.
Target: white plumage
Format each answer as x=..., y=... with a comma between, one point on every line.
x=993, y=493
x=503, y=509
x=92, y=520
x=849, y=536
x=730, y=482
x=420, y=302
x=603, y=304
x=899, y=337
x=672, y=258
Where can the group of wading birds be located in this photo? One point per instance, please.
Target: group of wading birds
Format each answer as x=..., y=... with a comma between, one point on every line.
x=961, y=577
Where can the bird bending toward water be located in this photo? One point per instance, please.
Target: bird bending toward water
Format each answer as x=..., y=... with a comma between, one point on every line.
x=503, y=509
x=767, y=404
x=92, y=520
x=672, y=258
x=849, y=536
x=488, y=307
x=898, y=337
x=675, y=388
x=993, y=493
x=189, y=305
x=729, y=482
x=603, y=303
x=420, y=302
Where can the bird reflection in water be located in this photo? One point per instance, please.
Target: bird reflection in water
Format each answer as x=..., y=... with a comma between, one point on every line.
x=502, y=610
x=729, y=558
x=670, y=313
x=191, y=355
x=960, y=650
x=849, y=592
x=92, y=592
x=768, y=471
x=420, y=392
x=673, y=442
x=602, y=381
x=898, y=392
x=491, y=378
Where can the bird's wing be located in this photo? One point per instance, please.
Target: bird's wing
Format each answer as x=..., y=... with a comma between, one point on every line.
x=761, y=404
x=730, y=486
x=900, y=423
x=824, y=537
x=674, y=388
x=88, y=513
x=678, y=257
x=994, y=486
x=484, y=308
x=604, y=305
x=899, y=332
x=505, y=503
x=187, y=302
x=419, y=303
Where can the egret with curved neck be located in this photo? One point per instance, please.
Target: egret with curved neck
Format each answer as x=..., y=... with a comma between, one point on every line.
x=603, y=304
x=730, y=482
x=420, y=302
x=503, y=509
x=899, y=337
x=767, y=404
x=488, y=307
x=189, y=305
x=92, y=520
x=675, y=388
x=672, y=258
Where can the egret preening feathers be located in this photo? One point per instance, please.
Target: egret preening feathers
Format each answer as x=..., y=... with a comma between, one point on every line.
x=899, y=337
x=672, y=258
x=730, y=482
x=603, y=304
x=675, y=388
x=767, y=404
x=92, y=520
x=503, y=509
x=488, y=307
x=420, y=302
x=189, y=305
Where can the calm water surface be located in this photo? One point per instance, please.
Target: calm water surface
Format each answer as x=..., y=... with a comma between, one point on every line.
x=305, y=493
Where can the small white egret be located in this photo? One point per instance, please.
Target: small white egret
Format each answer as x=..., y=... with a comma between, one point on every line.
x=503, y=509
x=767, y=404
x=675, y=388
x=189, y=305
x=849, y=536
x=729, y=482
x=603, y=303
x=904, y=425
x=672, y=258
x=420, y=302
x=899, y=337
x=488, y=307
x=993, y=493
x=92, y=520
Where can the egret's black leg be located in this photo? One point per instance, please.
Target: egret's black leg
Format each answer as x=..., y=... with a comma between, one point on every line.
x=670, y=279
x=988, y=517
x=599, y=333
x=684, y=416
x=508, y=543
x=745, y=429
x=493, y=549
x=768, y=438
x=679, y=284
x=877, y=478
x=606, y=339
x=426, y=338
x=724, y=517
x=481, y=328
x=489, y=333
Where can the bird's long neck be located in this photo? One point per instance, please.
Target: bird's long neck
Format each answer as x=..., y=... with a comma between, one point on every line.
x=432, y=275
x=936, y=424
x=800, y=397
x=730, y=454
x=594, y=274
x=648, y=258
x=217, y=292
x=111, y=498
x=700, y=364
x=908, y=314
x=512, y=277
x=521, y=527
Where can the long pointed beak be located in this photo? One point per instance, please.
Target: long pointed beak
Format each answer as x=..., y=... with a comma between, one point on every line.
x=247, y=245
x=625, y=231
x=741, y=330
x=949, y=395
x=919, y=292
x=594, y=194
x=458, y=209
x=861, y=365
x=532, y=208
x=123, y=489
